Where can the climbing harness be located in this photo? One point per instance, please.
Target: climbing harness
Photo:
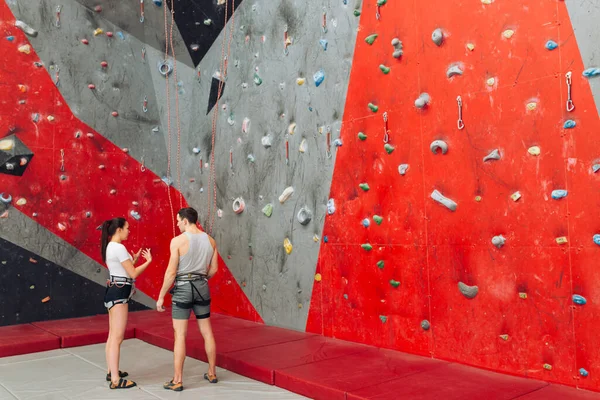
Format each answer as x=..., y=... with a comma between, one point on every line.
x=386, y=132
x=192, y=277
x=460, y=123
x=570, y=105
x=120, y=282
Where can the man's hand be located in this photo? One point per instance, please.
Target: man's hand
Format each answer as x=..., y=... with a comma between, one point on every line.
x=159, y=305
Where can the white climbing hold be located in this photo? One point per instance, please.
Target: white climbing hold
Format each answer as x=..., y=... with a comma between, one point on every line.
x=491, y=81
x=398, y=52
x=515, y=196
x=239, y=205
x=498, y=241
x=470, y=46
x=468, y=291
x=402, y=168
x=304, y=216
x=437, y=36
x=508, y=33
x=196, y=150
x=135, y=215
x=494, y=155
x=286, y=194
x=292, y=128
x=534, y=150
x=423, y=100
x=303, y=146
x=330, y=206
x=438, y=145
x=454, y=70
x=28, y=30
x=21, y=202
x=266, y=141
x=437, y=196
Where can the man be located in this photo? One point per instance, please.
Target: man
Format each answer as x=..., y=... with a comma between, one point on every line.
x=193, y=261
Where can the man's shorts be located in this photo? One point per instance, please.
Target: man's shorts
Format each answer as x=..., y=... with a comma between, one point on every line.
x=191, y=295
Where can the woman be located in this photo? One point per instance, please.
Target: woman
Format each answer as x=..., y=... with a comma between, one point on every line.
x=119, y=289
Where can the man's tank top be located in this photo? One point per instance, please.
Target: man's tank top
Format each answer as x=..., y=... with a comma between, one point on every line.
x=198, y=257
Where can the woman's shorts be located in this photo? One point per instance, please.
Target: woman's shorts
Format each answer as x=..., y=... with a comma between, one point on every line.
x=191, y=295
x=117, y=293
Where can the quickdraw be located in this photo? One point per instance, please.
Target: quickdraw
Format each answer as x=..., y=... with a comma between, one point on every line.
x=570, y=105
x=460, y=124
x=386, y=131
x=142, y=11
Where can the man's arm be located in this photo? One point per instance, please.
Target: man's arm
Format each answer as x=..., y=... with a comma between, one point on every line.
x=171, y=271
x=214, y=262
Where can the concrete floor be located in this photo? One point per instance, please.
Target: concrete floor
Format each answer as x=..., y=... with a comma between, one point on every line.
x=80, y=373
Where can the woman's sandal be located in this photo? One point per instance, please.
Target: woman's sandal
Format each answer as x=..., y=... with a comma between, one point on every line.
x=121, y=375
x=211, y=378
x=123, y=384
x=177, y=387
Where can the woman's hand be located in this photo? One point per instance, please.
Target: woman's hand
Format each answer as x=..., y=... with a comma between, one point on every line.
x=136, y=256
x=147, y=255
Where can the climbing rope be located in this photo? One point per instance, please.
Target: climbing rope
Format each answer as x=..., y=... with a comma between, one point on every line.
x=169, y=117
x=212, y=175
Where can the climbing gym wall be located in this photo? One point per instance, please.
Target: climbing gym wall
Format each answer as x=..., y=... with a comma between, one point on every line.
x=466, y=190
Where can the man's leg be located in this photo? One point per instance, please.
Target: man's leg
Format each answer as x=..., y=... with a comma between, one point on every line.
x=209, y=345
x=180, y=328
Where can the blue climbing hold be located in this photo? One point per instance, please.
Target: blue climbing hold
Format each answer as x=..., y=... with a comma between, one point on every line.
x=577, y=299
x=596, y=168
x=590, y=72
x=583, y=372
x=345, y=2
x=559, y=194
x=319, y=76
x=120, y=35
x=325, y=239
x=158, y=3
x=569, y=124
x=551, y=45
x=323, y=43
x=366, y=223
x=346, y=296
x=597, y=239
x=310, y=109
x=10, y=38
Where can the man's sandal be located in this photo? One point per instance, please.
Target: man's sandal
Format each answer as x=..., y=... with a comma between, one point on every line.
x=211, y=378
x=123, y=384
x=121, y=375
x=176, y=387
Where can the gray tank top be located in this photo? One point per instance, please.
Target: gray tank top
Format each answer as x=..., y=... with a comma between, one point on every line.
x=198, y=257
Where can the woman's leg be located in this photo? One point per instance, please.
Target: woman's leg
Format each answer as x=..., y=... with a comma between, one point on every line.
x=110, y=324
x=118, y=323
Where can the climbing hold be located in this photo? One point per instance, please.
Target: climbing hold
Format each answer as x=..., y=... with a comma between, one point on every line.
x=5, y=198
x=238, y=205
x=91, y=86
x=357, y=13
x=453, y=70
x=438, y=145
x=383, y=319
x=378, y=219
x=595, y=168
x=208, y=22
x=534, y=150
x=286, y=194
x=325, y=239
x=491, y=81
x=423, y=100
x=61, y=226
x=135, y=215
x=246, y=125
x=287, y=245
x=468, y=291
x=591, y=72
x=402, y=168
x=98, y=31
x=300, y=81
x=508, y=33
x=85, y=41
x=318, y=77
x=398, y=48
x=366, y=246
x=477, y=198
x=438, y=37
x=522, y=295
x=561, y=240
x=257, y=79
x=494, y=155
x=373, y=107
x=46, y=299
x=266, y=141
x=531, y=106
x=330, y=206
x=28, y=30
x=196, y=150
x=551, y=45
x=268, y=209
x=362, y=136
x=366, y=223
x=487, y=1
x=21, y=202
x=10, y=38
x=559, y=194
x=304, y=216
x=394, y=283
x=515, y=196
x=425, y=325
x=596, y=239
x=165, y=67
x=114, y=114
x=578, y=299
x=504, y=337
x=291, y=128
x=389, y=148
x=316, y=238
x=371, y=38
x=384, y=69
x=26, y=49
x=364, y=186
x=470, y=46
x=323, y=43
x=547, y=367
x=583, y=372
x=318, y=277
x=498, y=241
x=337, y=142
x=569, y=124
x=381, y=2
x=380, y=264
x=437, y=196
x=109, y=34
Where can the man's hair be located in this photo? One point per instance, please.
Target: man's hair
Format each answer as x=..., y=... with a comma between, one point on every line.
x=190, y=214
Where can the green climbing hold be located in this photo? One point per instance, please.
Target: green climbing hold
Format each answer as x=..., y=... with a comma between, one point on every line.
x=362, y=136
x=371, y=38
x=268, y=210
x=384, y=69
x=366, y=246
x=257, y=79
x=380, y=264
x=364, y=186
x=373, y=107
x=389, y=148
x=383, y=319
x=394, y=283
x=356, y=13
x=381, y=2
x=378, y=220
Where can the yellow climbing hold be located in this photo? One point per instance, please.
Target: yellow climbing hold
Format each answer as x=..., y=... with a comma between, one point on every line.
x=318, y=277
x=315, y=238
x=292, y=128
x=534, y=150
x=515, y=196
x=523, y=295
x=561, y=240
x=478, y=198
x=7, y=144
x=98, y=31
x=508, y=33
x=21, y=202
x=302, y=147
x=486, y=1
x=470, y=46
x=50, y=118
x=531, y=106
x=300, y=81
x=287, y=245
x=491, y=81
x=548, y=367
x=24, y=49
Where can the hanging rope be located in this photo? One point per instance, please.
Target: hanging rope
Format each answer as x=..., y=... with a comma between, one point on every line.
x=223, y=73
x=169, y=117
x=176, y=106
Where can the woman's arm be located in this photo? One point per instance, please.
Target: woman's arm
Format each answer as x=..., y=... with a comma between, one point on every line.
x=133, y=271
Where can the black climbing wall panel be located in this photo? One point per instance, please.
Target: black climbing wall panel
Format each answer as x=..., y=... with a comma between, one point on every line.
x=214, y=93
x=190, y=16
x=26, y=279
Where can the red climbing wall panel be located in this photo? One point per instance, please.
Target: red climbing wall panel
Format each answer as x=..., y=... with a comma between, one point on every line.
x=430, y=249
x=87, y=187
